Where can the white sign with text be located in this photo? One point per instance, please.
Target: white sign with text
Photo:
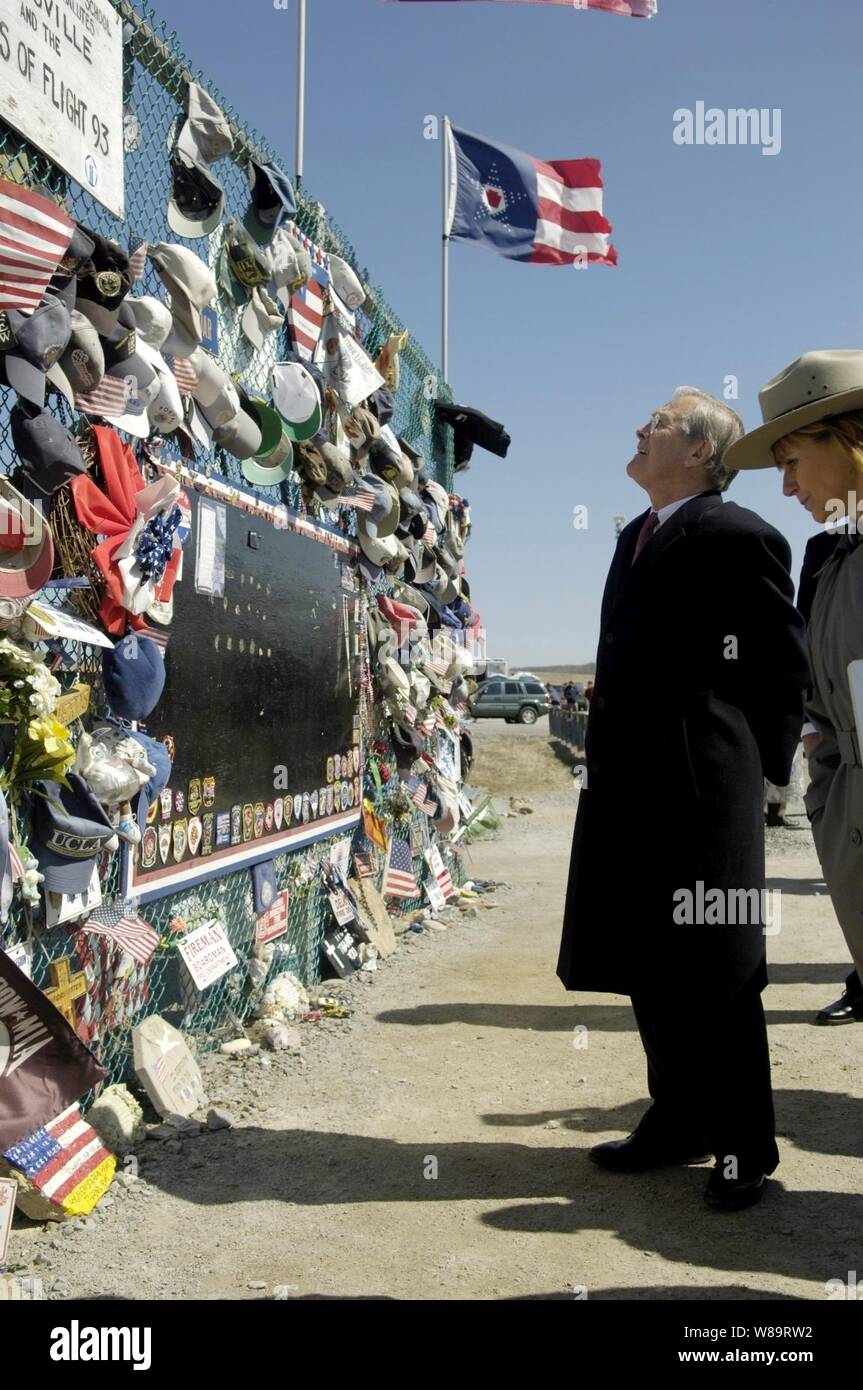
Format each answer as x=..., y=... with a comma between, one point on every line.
x=61, y=86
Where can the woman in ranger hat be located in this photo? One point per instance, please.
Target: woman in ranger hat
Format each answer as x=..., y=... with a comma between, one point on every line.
x=813, y=433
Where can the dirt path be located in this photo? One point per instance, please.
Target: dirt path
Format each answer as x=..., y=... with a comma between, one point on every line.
x=434, y=1145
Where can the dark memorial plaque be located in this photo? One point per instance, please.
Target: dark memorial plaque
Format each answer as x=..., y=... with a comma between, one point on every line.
x=260, y=703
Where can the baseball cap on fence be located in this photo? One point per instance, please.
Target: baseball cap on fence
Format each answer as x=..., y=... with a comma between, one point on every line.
x=383, y=517
x=269, y=466
x=197, y=200
x=158, y=757
x=273, y=200
x=215, y=392
x=240, y=436
x=103, y=282
x=205, y=135
x=26, y=544
x=261, y=317
x=382, y=404
x=419, y=567
x=152, y=319
x=290, y=263
x=82, y=363
x=412, y=453
x=165, y=410
x=70, y=829
x=297, y=399
x=39, y=340
x=133, y=673
x=361, y=428
x=241, y=255
x=48, y=451
x=124, y=360
x=77, y=254
x=190, y=283
x=346, y=283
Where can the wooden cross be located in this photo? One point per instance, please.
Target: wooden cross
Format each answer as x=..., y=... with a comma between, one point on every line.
x=65, y=989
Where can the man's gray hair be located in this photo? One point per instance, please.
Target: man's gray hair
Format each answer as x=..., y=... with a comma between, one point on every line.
x=713, y=420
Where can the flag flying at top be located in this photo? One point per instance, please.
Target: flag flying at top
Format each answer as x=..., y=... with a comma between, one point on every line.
x=525, y=208
x=636, y=9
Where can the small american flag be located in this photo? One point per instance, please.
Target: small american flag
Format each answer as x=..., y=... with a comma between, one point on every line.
x=184, y=373
x=138, y=249
x=418, y=792
x=110, y=397
x=441, y=872
x=429, y=535
x=34, y=235
x=128, y=930
x=305, y=317
x=155, y=634
x=399, y=881
x=363, y=864
x=410, y=714
x=363, y=499
x=437, y=663
x=61, y=1157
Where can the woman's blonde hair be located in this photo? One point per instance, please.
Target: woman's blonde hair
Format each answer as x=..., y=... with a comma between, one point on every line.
x=845, y=431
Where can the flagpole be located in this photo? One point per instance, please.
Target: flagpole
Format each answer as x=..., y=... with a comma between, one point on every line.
x=301, y=88
x=444, y=356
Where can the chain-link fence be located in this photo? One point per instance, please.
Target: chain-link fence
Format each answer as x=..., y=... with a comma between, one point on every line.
x=119, y=990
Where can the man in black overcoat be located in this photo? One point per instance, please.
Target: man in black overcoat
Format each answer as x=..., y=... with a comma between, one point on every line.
x=699, y=689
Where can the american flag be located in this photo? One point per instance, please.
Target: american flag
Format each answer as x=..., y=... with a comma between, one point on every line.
x=399, y=881
x=156, y=634
x=437, y=663
x=429, y=534
x=34, y=235
x=363, y=864
x=418, y=792
x=441, y=872
x=363, y=499
x=305, y=317
x=138, y=249
x=110, y=397
x=635, y=9
x=61, y=1157
x=184, y=373
x=128, y=930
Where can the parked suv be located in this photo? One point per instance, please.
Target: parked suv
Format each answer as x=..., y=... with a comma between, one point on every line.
x=516, y=701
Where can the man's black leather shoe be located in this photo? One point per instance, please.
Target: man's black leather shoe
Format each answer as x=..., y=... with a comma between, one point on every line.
x=848, y=1009
x=637, y=1154
x=733, y=1194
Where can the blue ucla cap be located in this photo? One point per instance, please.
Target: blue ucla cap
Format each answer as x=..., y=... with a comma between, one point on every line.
x=70, y=828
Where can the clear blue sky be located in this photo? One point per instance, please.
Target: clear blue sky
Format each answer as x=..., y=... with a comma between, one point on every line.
x=731, y=262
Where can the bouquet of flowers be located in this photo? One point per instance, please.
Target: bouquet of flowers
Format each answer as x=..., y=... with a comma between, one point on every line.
x=41, y=746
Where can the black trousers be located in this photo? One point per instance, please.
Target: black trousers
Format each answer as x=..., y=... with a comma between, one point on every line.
x=708, y=1073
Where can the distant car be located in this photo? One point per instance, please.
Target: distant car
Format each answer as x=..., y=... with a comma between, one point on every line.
x=516, y=701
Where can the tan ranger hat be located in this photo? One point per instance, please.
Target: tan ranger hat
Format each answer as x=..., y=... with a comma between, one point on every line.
x=817, y=385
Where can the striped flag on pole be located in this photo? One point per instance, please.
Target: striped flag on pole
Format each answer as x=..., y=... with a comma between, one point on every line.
x=399, y=881
x=129, y=931
x=547, y=212
x=34, y=235
x=634, y=9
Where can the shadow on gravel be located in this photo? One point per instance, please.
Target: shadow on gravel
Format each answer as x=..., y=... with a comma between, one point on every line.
x=540, y=1018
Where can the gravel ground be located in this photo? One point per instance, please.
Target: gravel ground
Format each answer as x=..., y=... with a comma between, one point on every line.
x=433, y=1145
